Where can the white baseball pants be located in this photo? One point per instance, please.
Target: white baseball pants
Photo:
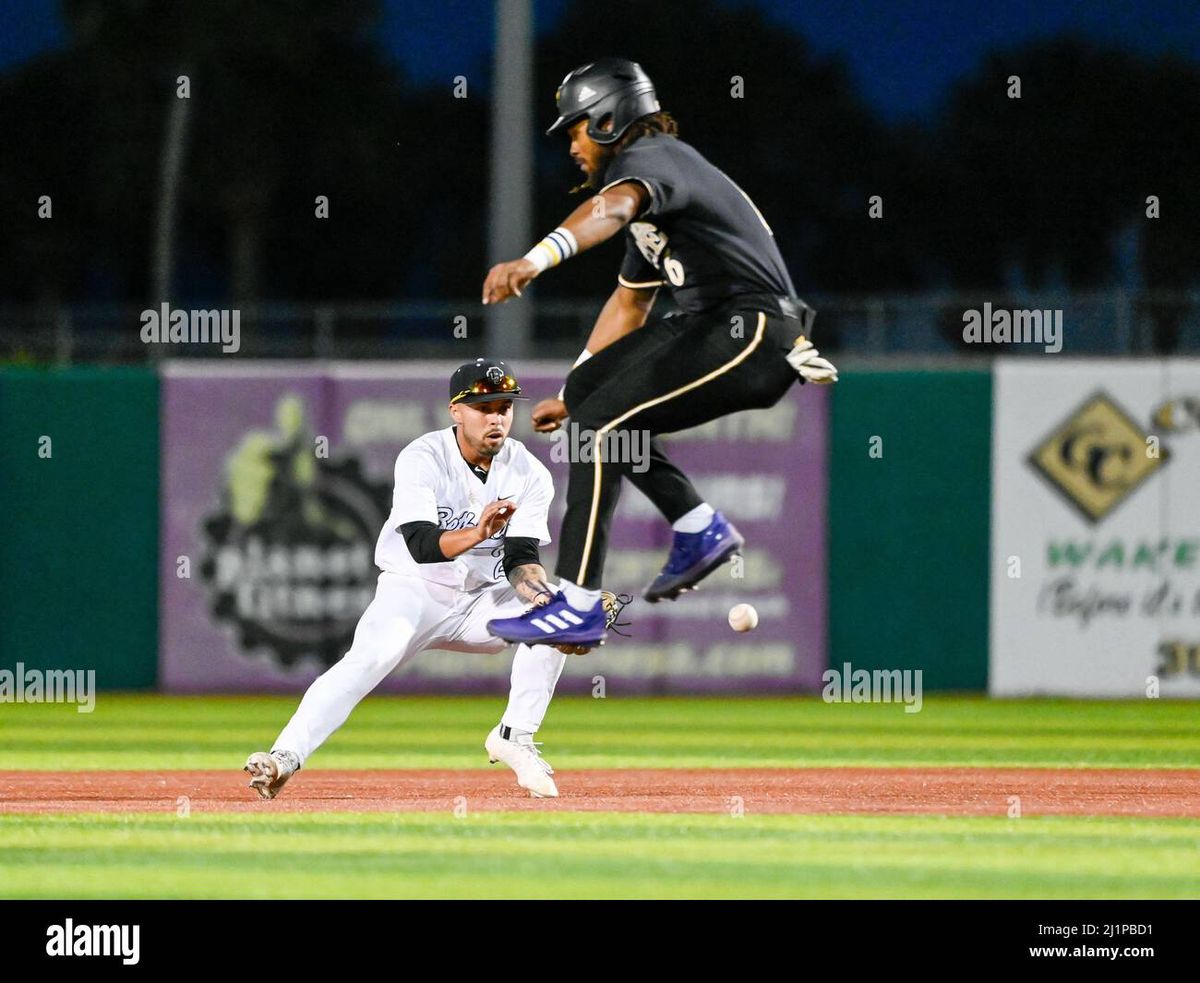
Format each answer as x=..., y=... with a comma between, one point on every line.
x=409, y=615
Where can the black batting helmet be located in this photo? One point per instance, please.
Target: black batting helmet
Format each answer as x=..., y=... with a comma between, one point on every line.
x=608, y=87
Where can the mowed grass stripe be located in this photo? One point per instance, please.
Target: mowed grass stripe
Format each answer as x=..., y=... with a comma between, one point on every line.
x=564, y=760
x=131, y=738
x=140, y=732
x=318, y=831
x=419, y=712
x=594, y=855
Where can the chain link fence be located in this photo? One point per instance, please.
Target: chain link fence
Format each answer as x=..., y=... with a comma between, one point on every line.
x=1112, y=323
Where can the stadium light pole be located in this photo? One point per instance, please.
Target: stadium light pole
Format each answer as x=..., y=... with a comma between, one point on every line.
x=170, y=167
x=509, y=326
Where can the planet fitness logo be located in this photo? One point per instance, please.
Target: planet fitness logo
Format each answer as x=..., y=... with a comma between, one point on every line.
x=290, y=557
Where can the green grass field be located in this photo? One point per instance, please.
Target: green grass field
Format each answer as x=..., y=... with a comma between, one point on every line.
x=584, y=855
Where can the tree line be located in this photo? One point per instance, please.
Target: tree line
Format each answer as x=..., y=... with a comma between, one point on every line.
x=1083, y=179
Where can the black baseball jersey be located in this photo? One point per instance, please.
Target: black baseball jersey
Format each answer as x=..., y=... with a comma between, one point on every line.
x=699, y=234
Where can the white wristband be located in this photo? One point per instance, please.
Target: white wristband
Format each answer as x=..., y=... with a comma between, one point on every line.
x=583, y=357
x=556, y=247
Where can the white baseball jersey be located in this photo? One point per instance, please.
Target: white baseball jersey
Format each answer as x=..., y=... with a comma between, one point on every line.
x=434, y=483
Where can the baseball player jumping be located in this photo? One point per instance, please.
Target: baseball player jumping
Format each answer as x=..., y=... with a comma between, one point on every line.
x=460, y=547
x=739, y=341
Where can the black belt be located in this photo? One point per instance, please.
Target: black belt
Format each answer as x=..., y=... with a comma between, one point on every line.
x=780, y=304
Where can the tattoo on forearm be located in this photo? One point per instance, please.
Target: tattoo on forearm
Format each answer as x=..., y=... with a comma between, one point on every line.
x=529, y=580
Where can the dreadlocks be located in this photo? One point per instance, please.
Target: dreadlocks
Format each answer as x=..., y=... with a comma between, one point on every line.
x=656, y=124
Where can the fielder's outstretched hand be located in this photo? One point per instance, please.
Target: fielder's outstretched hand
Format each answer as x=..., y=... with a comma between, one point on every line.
x=548, y=415
x=494, y=518
x=506, y=280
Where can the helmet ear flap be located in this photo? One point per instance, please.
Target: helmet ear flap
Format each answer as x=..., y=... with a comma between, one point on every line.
x=597, y=128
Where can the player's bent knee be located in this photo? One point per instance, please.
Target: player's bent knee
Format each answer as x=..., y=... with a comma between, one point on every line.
x=379, y=655
x=372, y=665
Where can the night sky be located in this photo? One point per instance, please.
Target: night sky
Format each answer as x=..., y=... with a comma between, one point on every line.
x=902, y=53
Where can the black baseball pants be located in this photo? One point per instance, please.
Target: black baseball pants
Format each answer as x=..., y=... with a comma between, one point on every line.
x=675, y=372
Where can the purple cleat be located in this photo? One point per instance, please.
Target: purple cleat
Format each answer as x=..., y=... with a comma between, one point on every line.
x=556, y=623
x=694, y=555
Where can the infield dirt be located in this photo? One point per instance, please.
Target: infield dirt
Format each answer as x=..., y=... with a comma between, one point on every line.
x=881, y=791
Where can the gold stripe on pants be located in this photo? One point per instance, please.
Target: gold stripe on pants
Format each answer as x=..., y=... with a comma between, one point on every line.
x=599, y=442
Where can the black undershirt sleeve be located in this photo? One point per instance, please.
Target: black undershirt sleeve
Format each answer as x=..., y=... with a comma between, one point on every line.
x=424, y=542
x=519, y=550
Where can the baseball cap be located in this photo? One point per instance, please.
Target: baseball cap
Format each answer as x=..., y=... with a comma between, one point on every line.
x=483, y=380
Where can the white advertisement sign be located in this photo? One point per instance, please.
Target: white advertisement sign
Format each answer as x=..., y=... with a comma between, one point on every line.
x=1095, y=580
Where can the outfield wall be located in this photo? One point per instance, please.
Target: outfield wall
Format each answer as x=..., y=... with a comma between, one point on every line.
x=1096, y=528
x=79, y=494
x=905, y=537
x=908, y=524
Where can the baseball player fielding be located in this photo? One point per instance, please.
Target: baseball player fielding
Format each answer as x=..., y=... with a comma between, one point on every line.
x=460, y=548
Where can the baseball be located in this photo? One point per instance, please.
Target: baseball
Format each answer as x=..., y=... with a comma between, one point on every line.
x=743, y=617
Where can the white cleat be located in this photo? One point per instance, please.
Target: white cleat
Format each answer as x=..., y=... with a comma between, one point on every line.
x=270, y=772
x=523, y=757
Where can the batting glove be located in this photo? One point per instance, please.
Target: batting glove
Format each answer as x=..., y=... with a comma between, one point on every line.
x=806, y=360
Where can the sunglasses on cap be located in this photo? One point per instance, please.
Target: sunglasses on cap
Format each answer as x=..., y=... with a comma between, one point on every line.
x=506, y=386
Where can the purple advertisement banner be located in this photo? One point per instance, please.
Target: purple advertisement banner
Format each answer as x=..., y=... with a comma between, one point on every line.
x=277, y=479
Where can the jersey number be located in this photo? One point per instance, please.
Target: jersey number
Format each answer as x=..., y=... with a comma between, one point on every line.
x=674, y=271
